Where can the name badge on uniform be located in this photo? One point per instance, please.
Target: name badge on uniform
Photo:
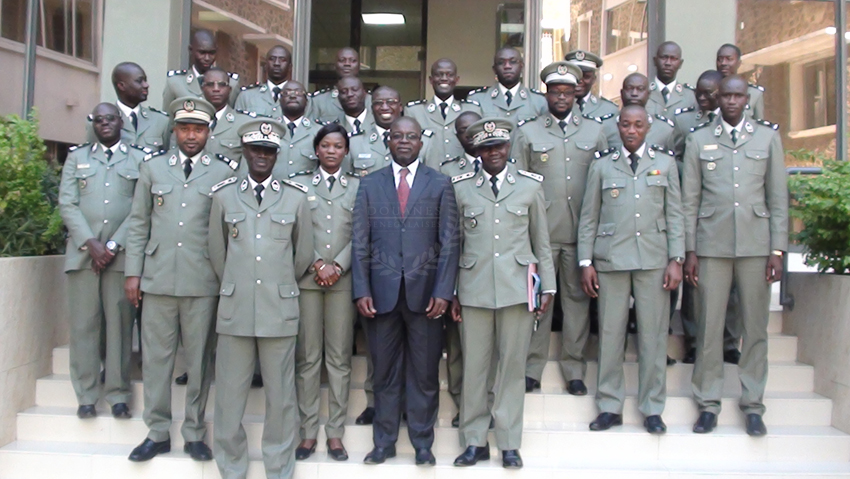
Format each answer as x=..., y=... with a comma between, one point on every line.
x=709, y=147
x=711, y=166
x=615, y=193
x=82, y=166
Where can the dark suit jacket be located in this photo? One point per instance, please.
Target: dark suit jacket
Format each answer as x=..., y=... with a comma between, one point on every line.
x=422, y=247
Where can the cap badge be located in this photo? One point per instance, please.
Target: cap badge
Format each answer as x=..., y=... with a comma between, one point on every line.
x=189, y=105
x=562, y=69
x=579, y=56
x=266, y=129
x=489, y=127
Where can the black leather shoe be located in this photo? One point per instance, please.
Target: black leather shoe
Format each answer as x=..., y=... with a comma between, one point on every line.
x=492, y=422
x=366, y=417
x=148, y=449
x=755, y=425
x=86, y=411
x=690, y=356
x=511, y=459
x=605, y=421
x=576, y=387
x=531, y=384
x=706, y=423
x=337, y=454
x=302, y=453
x=424, y=457
x=379, y=455
x=182, y=379
x=731, y=356
x=670, y=361
x=121, y=411
x=472, y=455
x=257, y=381
x=198, y=451
x=654, y=425
x=102, y=376
x=456, y=421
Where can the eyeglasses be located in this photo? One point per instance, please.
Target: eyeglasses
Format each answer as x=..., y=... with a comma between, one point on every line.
x=562, y=94
x=294, y=93
x=104, y=118
x=403, y=136
x=212, y=84
x=390, y=102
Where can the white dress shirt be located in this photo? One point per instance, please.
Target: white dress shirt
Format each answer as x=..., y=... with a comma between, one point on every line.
x=472, y=160
x=265, y=184
x=411, y=168
x=660, y=85
x=361, y=117
x=514, y=91
x=640, y=151
x=728, y=128
x=194, y=159
x=326, y=175
x=113, y=149
x=126, y=110
x=500, y=177
x=448, y=101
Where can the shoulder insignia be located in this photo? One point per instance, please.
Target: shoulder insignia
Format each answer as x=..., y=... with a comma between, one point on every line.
x=224, y=183
x=591, y=117
x=757, y=87
x=533, y=176
x=608, y=101
x=679, y=111
x=297, y=186
x=415, y=102
x=606, y=117
x=153, y=155
x=768, y=124
x=478, y=90
x=661, y=149
x=353, y=173
x=300, y=173
x=250, y=87
x=176, y=72
x=701, y=125
x=317, y=92
x=428, y=133
x=252, y=114
x=81, y=145
x=472, y=102
x=689, y=86
x=605, y=152
x=158, y=111
x=450, y=160
x=233, y=164
x=665, y=120
x=144, y=149
x=352, y=134
x=532, y=90
x=235, y=76
x=527, y=120
x=465, y=176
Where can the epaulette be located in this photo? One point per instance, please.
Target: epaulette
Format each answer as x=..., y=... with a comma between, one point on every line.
x=664, y=119
x=295, y=185
x=605, y=117
x=605, y=152
x=591, y=117
x=479, y=90
x=150, y=156
x=465, y=176
x=661, y=149
x=766, y=123
x=701, y=125
x=158, y=111
x=689, y=86
x=141, y=148
x=415, y=102
x=533, y=176
x=473, y=102
x=299, y=173
x=428, y=133
x=353, y=173
x=527, y=120
x=81, y=145
x=319, y=92
x=679, y=111
x=534, y=90
x=233, y=164
x=250, y=87
x=609, y=101
x=224, y=183
x=172, y=73
x=352, y=134
x=252, y=114
x=757, y=87
x=450, y=160
x=512, y=161
x=319, y=121
x=235, y=76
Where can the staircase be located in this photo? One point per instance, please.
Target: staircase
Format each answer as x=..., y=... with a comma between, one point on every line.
x=53, y=443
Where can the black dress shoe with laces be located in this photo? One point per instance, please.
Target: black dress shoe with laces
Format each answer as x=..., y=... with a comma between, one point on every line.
x=148, y=449
x=472, y=455
x=706, y=423
x=182, y=379
x=366, y=417
x=379, y=455
x=302, y=453
x=511, y=459
x=755, y=425
x=86, y=411
x=121, y=411
x=690, y=356
x=531, y=384
x=424, y=457
x=605, y=421
x=576, y=387
x=198, y=451
x=257, y=381
x=654, y=425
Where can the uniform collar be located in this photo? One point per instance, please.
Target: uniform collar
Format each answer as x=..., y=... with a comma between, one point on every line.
x=500, y=176
x=449, y=101
x=126, y=110
x=272, y=85
x=361, y=117
x=220, y=113
x=660, y=85
x=470, y=159
x=265, y=183
x=514, y=91
x=113, y=149
x=326, y=175
x=297, y=121
x=728, y=128
x=567, y=118
x=194, y=159
x=380, y=130
x=640, y=152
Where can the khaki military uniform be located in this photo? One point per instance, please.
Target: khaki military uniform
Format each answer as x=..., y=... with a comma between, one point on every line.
x=596, y=107
x=224, y=139
x=687, y=119
x=755, y=107
x=95, y=197
x=461, y=164
x=324, y=105
x=631, y=228
x=735, y=198
x=259, y=99
x=368, y=153
x=182, y=83
x=502, y=236
x=660, y=132
x=259, y=251
x=296, y=151
x=153, y=132
x=563, y=159
x=167, y=247
x=445, y=144
x=327, y=314
x=526, y=103
x=682, y=96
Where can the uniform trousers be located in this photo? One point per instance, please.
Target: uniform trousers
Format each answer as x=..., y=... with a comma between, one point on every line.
x=326, y=326
x=716, y=276
x=101, y=324
x=167, y=320
x=234, y=370
x=505, y=332
x=652, y=305
x=576, y=325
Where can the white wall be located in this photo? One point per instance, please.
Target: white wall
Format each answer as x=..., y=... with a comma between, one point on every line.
x=700, y=27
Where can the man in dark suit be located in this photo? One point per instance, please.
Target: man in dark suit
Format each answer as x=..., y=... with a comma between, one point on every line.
x=403, y=290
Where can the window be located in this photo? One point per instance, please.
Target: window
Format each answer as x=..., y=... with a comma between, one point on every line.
x=583, y=27
x=819, y=93
x=625, y=25
x=13, y=19
x=64, y=26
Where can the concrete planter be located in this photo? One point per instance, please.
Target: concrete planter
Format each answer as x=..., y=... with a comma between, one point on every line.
x=33, y=301
x=821, y=322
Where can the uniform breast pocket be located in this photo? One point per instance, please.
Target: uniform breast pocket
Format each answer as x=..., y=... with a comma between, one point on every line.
x=232, y=148
x=613, y=191
x=85, y=180
x=152, y=142
x=472, y=215
x=364, y=161
x=757, y=162
x=656, y=186
x=282, y=226
x=234, y=224
x=710, y=161
x=604, y=238
x=127, y=183
x=541, y=153
x=309, y=159
x=162, y=197
x=519, y=217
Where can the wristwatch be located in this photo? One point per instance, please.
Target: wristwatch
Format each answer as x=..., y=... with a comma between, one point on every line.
x=112, y=246
x=679, y=259
x=778, y=253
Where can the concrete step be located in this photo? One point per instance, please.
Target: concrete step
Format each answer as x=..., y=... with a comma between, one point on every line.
x=745, y=458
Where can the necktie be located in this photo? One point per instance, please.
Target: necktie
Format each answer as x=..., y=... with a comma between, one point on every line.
x=276, y=92
x=508, y=97
x=734, y=135
x=213, y=123
x=258, y=192
x=665, y=92
x=635, y=158
x=386, y=139
x=200, y=80
x=581, y=104
x=187, y=167
x=134, y=120
x=108, y=154
x=477, y=165
x=331, y=181
x=291, y=125
x=403, y=189
x=563, y=125
x=711, y=116
x=356, y=125
x=493, y=181
x=443, y=106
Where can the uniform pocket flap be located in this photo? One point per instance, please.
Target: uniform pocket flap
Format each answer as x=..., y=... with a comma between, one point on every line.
x=586, y=146
x=284, y=219
x=234, y=217
x=150, y=248
x=288, y=290
x=473, y=211
x=606, y=229
x=129, y=174
x=362, y=163
x=656, y=180
x=227, y=289
x=526, y=259
x=231, y=143
x=611, y=183
x=757, y=155
x=761, y=211
x=84, y=173
x=160, y=189
x=662, y=224
x=519, y=210
x=541, y=147
x=706, y=211
x=710, y=155
x=309, y=154
x=467, y=261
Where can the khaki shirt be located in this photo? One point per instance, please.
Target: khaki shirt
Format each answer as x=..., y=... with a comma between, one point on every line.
x=154, y=129
x=181, y=83
x=296, y=152
x=660, y=132
x=682, y=96
x=527, y=103
x=445, y=143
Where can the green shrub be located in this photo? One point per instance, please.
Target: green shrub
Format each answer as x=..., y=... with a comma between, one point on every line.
x=29, y=216
x=822, y=204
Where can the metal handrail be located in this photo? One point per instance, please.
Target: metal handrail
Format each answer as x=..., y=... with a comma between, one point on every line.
x=785, y=298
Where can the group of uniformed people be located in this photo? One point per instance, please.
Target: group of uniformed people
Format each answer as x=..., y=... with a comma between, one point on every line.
x=232, y=226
